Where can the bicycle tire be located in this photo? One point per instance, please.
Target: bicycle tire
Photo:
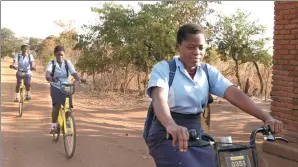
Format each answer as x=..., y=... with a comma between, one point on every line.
x=69, y=154
x=21, y=103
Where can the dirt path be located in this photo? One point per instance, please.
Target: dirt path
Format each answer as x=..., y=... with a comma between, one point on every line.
x=101, y=133
x=106, y=137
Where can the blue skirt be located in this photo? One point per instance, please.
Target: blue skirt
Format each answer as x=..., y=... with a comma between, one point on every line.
x=58, y=98
x=165, y=155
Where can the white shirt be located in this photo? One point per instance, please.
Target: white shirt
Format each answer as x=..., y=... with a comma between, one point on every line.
x=24, y=64
x=60, y=72
x=187, y=95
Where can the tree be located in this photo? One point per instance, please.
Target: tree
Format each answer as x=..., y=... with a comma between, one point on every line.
x=139, y=40
x=68, y=39
x=9, y=43
x=46, y=51
x=233, y=38
x=190, y=11
x=258, y=54
x=110, y=43
x=35, y=45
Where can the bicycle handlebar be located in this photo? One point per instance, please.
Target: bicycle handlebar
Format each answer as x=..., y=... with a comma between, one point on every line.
x=268, y=135
x=55, y=79
x=16, y=68
x=204, y=139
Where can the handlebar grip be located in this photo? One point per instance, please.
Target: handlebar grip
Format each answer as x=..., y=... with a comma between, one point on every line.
x=12, y=67
x=83, y=80
x=193, y=135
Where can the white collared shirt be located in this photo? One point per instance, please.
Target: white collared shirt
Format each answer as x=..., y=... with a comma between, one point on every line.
x=24, y=64
x=187, y=95
x=60, y=72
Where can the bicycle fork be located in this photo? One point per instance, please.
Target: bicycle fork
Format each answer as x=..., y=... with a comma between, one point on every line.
x=63, y=116
x=22, y=91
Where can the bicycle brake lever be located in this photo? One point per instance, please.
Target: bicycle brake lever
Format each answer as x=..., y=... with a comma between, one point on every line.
x=282, y=139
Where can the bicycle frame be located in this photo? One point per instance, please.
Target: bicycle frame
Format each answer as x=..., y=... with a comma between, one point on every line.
x=64, y=109
x=22, y=89
x=22, y=86
x=63, y=116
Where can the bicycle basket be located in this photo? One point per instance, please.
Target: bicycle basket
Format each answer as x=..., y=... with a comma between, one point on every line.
x=22, y=74
x=67, y=89
x=239, y=158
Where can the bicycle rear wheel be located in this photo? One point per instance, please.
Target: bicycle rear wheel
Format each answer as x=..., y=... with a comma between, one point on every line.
x=21, y=102
x=69, y=136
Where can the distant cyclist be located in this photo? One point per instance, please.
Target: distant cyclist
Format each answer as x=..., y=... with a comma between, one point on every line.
x=59, y=68
x=24, y=62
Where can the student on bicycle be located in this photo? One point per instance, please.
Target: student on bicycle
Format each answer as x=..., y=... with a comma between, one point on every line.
x=25, y=62
x=178, y=109
x=57, y=68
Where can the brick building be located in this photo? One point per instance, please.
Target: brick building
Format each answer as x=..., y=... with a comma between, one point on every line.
x=285, y=78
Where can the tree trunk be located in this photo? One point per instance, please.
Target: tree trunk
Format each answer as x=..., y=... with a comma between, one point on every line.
x=246, y=86
x=260, y=78
x=266, y=82
x=149, y=46
x=125, y=80
x=145, y=82
x=237, y=72
x=127, y=83
x=94, y=82
x=139, y=84
x=114, y=84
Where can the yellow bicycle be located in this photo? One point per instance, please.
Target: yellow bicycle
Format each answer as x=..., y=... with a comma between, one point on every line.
x=21, y=90
x=66, y=122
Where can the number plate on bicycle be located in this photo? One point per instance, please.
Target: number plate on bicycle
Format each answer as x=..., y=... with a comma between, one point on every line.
x=67, y=88
x=21, y=74
x=237, y=159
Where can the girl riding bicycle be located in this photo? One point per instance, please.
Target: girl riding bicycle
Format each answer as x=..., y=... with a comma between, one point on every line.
x=59, y=68
x=179, y=107
x=25, y=62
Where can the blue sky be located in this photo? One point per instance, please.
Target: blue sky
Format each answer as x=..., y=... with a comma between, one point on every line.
x=36, y=18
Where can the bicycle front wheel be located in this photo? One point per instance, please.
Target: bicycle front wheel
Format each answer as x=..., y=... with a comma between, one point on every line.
x=21, y=102
x=69, y=136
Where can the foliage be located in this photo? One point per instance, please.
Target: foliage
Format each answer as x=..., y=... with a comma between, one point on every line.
x=237, y=38
x=135, y=38
x=126, y=43
x=10, y=44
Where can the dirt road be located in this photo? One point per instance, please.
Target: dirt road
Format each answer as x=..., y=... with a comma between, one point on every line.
x=106, y=137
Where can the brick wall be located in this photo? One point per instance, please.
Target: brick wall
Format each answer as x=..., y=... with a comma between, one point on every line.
x=285, y=69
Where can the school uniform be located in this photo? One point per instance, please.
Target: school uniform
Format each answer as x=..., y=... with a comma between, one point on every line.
x=24, y=64
x=186, y=97
x=55, y=88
